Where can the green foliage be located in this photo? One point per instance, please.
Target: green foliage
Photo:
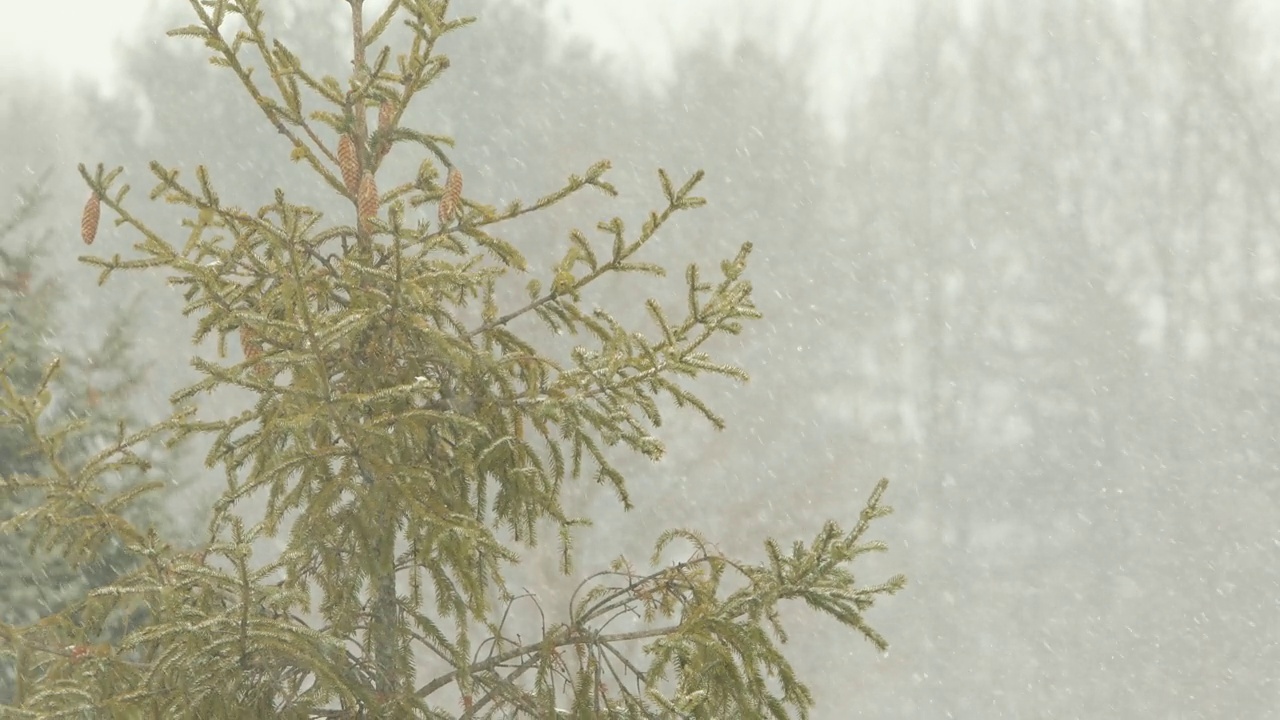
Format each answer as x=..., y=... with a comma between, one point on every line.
x=414, y=427
x=39, y=580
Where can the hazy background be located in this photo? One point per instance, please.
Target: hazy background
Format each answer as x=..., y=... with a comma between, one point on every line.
x=1020, y=257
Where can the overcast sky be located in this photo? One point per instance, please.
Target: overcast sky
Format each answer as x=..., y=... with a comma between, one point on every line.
x=838, y=41
x=68, y=37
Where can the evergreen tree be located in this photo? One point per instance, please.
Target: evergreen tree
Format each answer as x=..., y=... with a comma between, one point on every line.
x=37, y=581
x=413, y=429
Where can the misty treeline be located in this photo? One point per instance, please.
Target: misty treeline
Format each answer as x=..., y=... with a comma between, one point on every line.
x=1034, y=283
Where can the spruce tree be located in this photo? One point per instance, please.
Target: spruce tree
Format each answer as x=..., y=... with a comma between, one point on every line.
x=422, y=394
x=38, y=582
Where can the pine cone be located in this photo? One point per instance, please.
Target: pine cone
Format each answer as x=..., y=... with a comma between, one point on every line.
x=349, y=163
x=386, y=112
x=250, y=344
x=89, y=219
x=451, y=199
x=367, y=198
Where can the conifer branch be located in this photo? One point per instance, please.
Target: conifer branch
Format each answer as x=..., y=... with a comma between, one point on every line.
x=767, y=587
x=617, y=263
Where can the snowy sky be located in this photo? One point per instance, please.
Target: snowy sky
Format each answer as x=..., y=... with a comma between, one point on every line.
x=839, y=41
x=68, y=37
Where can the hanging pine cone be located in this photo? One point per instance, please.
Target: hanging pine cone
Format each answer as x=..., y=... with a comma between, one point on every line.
x=349, y=163
x=250, y=344
x=386, y=112
x=367, y=198
x=451, y=199
x=89, y=219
